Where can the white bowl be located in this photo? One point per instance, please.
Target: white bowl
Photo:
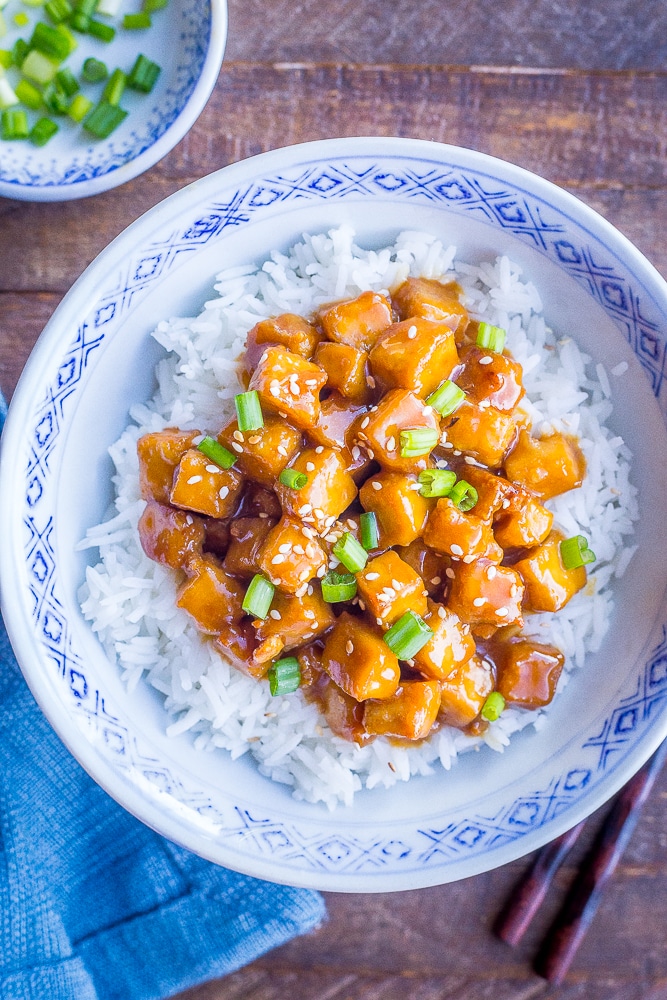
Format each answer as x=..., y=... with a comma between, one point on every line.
x=96, y=357
x=187, y=39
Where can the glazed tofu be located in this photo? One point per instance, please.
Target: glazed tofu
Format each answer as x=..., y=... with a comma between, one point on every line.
x=291, y=556
x=288, y=330
x=431, y=566
x=400, y=509
x=246, y=537
x=430, y=299
x=171, y=537
x=408, y=714
x=527, y=672
x=483, y=593
x=337, y=420
x=464, y=691
x=159, y=453
x=460, y=534
x=211, y=595
x=329, y=491
x=417, y=354
x=483, y=432
x=380, y=430
x=290, y=385
x=490, y=377
x=388, y=587
x=549, y=586
x=359, y=661
x=294, y=621
x=494, y=492
x=346, y=369
x=547, y=466
x=357, y=322
x=262, y=454
x=524, y=523
x=450, y=645
x=204, y=487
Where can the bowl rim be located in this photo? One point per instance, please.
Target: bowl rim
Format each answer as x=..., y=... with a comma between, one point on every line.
x=30, y=660
x=181, y=125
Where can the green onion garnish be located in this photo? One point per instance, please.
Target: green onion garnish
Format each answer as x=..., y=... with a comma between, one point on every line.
x=216, y=452
x=6, y=58
x=348, y=551
x=79, y=108
x=446, y=398
x=152, y=5
x=492, y=338
x=67, y=82
x=464, y=495
x=418, y=441
x=39, y=67
x=493, y=707
x=368, y=525
x=575, y=552
x=249, y=411
x=20, y=50
x=28, y=95
x=98, y=29
x=258, y=596
x=143, y=75
x=338, y=587
x=21, y=19
x=284, y=676
x=83, y=12
x=14, y=124
x=94, y=70
x=58, y=10
x=407, y=636
x=55, y=100
x=52, y=41
x=103, y=119
x=8, y=97
x=295, y=480
x=135, y=22
x=42, y=131
x=436, y=482
x=114, y=87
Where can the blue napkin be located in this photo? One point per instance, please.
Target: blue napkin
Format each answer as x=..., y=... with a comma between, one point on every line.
x=96, y=906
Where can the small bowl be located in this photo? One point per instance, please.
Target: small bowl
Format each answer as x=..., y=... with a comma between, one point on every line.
x=187, y=39
x=96, y=358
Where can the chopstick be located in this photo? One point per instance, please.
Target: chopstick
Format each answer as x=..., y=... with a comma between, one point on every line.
x=576, y=915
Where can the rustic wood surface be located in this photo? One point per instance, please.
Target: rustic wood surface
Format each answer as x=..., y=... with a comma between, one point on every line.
x=576, y=92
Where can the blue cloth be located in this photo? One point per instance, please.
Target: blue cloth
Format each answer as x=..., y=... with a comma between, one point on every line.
x=96, y=906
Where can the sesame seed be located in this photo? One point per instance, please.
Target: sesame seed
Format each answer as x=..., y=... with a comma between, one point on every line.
x=456, y=550
x=468, y=559
x=273, y=383
x=356, y=452
x=301, y=592
x=396, y=585
x=315, y=626
x=415, y=487
x=309, y=614
x=427, y=411
x=189, y=519
x=277, y=580
x=376, y=485
x=456, y=451
x=194, y=479
x=282, y=450
x=237, y=447
x=319, y=449
x=305, y=509
x=441, y=612
x=275, y=614
x=277, y=560
x=274, y=390
x=370, y=381
x=223, y=492
x=330, y=520
x=309, y=588
x=388, y=674
x=238, y=436
x=487, y=360
x=372, y=576
x=469, y=460
x=263, y=515
x=436, y=580
x=310, y=381
x=491, y=572
x=299, y=549
x=281, y=414
x=479, y=601
x=502, y=612
x=391, y=444
x=450, y=574
x=365, y=422
x=506, y=504
x=370, y=453
x=307, y=532
x=213, y=469
x=304, y=576
x=321, y=571
x=285, y=547
x=380, y=621
x=255, y=439
x=372, y=409
x=310, y=467
x=412, y=333
x=318, y=512
x=349, y=647
x=362, y=605
x=294, y=389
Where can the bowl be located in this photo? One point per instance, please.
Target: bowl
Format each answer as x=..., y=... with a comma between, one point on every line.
x=187, y=39
x=96, y=357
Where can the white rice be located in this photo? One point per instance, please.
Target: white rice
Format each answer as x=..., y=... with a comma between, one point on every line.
x=130, y=600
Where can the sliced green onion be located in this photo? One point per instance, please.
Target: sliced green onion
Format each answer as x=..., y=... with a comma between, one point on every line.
x=55, y=100
x=150, y=6
x=284, y=676
x=14, y=124
x=114, y=87
x=407, y=636
x=436, y=482
x=52, y=41
x=418, y=441
x=295, y=480
x=28, y=95
x=103, y=119
x=216, y=452
x=67, y=82
x=94, y=70
x=42, y=131
x=83, y=12
x=446, y=398
x=108, y=8
x=8, y=96
x=79, y=108
x=136, y=22
x=493, y=707
x=38, y=67
x=143, y=75
x=6, y=58
x=575, y=552
x=370, y=535
x=21, y=19
x=249, y=411
x=98, y=29
x=492, y=338
x=338, y=587
x=258, y=596
x=464, y=495
x=58, y=10
x=348, y=551
x=20, y=50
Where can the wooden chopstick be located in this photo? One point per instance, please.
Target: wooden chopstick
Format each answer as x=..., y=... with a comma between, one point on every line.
x=575, y=916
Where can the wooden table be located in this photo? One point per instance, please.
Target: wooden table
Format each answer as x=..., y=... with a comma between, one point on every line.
x=576, y=92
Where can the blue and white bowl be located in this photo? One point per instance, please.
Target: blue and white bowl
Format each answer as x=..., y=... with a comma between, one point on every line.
x=187, y=39
x=96, y=357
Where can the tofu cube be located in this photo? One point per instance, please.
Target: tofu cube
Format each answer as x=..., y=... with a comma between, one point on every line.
x=171, y=537
x=524, y=523
x=528, y=672
x=494, y=492
x=295, y=620
x=246, y=537
x=359, y=661
x=357, y=322
x=380, y=430
x=337, y=420
x=549, y=586
x=451, y=644
x=262, y=454
x=431, y=566
x=389, y=587
x=290, y=385
x=400, y=509
x=409, y=714
x=329, y=491
x=482, y=593
x=159, y=453
x=346, y=369
x=464, y=691
x=288, y=330
x=483, y=432
x=202, y=486
x=548, y=466
x=460, y=534
x=417, y=354
x=291, y=556
x=211, y=595
x=430, y=299
x=491, y=377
